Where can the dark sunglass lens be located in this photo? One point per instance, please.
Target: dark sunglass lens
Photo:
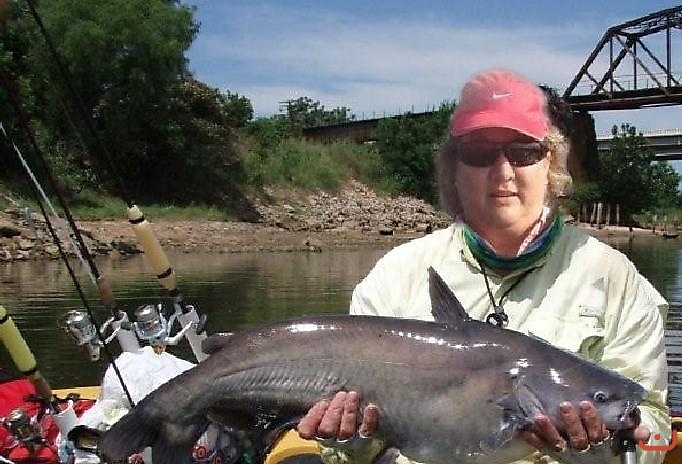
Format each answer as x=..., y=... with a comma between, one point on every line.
x=524, y=154
x=478, y=155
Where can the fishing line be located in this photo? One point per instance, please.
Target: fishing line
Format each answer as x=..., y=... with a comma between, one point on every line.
x=4, y=83
x=41, y=194
x=141, y=227
x=66, y=77
x=148, y=241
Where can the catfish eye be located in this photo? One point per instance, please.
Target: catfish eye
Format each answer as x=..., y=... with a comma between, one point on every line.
x=600, y=397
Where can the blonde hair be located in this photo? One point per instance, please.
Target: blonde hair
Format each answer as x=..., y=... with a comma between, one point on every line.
x=558, y=183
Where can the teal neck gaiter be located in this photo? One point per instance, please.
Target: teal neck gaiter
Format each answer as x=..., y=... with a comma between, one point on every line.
x=535, y=251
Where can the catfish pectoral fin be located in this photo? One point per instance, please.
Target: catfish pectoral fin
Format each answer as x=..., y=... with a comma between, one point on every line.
x=499, y=439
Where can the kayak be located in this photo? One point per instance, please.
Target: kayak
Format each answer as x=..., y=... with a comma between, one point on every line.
x=292, y=449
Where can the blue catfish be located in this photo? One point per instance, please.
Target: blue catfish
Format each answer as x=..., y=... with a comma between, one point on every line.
x=455, y=390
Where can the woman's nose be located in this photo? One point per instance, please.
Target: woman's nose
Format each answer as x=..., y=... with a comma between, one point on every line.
x=501, y=166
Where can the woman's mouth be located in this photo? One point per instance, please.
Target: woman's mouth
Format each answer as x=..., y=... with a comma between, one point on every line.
x=503, y=194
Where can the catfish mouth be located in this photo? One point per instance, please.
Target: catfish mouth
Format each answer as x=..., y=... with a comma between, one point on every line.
x=630, y=416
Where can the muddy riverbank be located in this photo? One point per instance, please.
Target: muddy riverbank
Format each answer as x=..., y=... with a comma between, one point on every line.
x=354, y=217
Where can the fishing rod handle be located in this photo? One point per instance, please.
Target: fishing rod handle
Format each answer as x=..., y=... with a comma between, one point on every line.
x=629, y=451
x=152, y=248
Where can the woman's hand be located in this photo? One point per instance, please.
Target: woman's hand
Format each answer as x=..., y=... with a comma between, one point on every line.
x=583, y=425
x=338, y=418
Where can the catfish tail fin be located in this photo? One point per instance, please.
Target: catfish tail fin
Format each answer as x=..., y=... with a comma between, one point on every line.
x=171, y=443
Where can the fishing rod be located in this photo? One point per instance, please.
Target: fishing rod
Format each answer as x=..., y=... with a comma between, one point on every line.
x=80, y=325
x=629, y=451
x=192, y=325
x=23, y=120
x=23, y=358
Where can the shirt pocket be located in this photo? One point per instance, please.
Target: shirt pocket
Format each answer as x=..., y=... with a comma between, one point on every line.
x=582, y=335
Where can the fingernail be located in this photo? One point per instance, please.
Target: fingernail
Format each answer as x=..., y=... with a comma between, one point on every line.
x=560, y=446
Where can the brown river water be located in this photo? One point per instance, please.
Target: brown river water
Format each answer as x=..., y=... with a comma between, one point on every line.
x=238, y=290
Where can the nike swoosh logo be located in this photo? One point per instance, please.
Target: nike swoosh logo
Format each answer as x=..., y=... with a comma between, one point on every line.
x=500, y=95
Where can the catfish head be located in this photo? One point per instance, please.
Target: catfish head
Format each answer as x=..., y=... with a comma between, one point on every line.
x=541, y=387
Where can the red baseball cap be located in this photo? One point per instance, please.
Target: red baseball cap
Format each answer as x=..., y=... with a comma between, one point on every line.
x=501, y=98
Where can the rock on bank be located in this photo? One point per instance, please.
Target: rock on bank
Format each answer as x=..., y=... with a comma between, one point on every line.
x=356, y=216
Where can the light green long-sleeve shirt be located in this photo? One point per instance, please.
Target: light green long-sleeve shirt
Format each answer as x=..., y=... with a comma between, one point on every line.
x=584, y=296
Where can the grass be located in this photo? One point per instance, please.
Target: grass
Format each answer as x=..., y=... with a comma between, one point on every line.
x=114, y=208
x=93, y=207
x=667, y=217
x=305, y=165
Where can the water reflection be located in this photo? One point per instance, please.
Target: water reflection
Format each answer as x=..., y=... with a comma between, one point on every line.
x=233, y=290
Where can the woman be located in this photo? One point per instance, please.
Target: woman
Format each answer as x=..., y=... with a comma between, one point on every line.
x=512, y=262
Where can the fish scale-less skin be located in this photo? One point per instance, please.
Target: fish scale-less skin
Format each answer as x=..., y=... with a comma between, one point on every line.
x=437, y=389
x=412, y=427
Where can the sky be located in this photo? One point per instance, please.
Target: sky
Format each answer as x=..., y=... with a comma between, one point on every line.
x=387, y=57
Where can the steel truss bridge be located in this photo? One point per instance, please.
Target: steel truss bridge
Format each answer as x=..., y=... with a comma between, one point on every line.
x=623, y=72
x=631, y=67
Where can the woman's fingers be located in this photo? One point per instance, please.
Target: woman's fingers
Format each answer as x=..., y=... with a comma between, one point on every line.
x=349, y=417
x=308, y=426
x=582, y=426
x=331, y=421
x=338, y=418
x=595, y=428
x=370, y=421
x=642, y=433
x=575, y=430
x=532, y=439
x=548, y=433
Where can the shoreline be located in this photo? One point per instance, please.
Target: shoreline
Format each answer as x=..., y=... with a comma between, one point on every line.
x=355, y=217
x=116, y=239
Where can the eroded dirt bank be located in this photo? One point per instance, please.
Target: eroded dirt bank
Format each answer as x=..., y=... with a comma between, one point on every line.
x=315, y=222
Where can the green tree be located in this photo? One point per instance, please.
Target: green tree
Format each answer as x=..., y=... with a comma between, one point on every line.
x=124, y=58
x=305, y=112
x=407, y=146
x=665, y=183
x=167, y=133
x=629, y=177
x=239, y=110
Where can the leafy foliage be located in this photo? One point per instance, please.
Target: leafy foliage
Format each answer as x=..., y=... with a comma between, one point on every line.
x=165, y=133
x=408, y=145
x=305, y=112
x=269, y=132
x=239, y=110
x=629, y=177
x=302, y=164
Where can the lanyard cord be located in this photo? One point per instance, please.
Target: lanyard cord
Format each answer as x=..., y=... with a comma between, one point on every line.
x=498, y=317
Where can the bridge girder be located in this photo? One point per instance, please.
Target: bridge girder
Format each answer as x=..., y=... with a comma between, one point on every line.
x=609, y=91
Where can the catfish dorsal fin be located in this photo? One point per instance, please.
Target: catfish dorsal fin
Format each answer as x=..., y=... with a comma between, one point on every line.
x=445, y=307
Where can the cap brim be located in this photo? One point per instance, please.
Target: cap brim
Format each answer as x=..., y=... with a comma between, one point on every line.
x=467, y=123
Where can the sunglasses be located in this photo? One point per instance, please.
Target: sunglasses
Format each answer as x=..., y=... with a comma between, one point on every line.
x=484, y=154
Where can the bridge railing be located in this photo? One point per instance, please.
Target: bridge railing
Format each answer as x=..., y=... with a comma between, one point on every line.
x=627, y=81
x=648, y=133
